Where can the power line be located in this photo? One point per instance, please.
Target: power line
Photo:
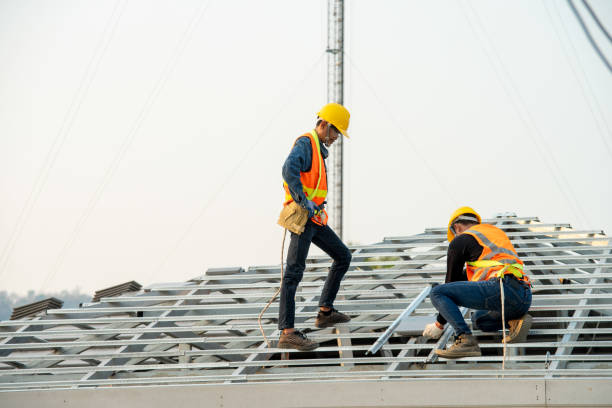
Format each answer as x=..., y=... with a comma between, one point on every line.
x=588, y=35
x=65, y=128
x=411, y=144
x=526, y=118
x=603, y=29
x=128, y=139
x=233, y=172
x=582, y=88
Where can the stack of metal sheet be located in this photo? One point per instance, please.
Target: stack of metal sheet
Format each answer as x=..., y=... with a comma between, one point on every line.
x=36, y=307
x=131, y=286
x=205, y=330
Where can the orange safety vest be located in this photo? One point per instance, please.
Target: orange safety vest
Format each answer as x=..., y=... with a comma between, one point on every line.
x=314, y=181
x=498, y=255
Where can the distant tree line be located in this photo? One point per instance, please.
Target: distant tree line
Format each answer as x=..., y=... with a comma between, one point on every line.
x=8, y=301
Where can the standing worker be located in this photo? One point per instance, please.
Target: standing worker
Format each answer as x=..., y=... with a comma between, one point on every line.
x=489, y=256
x=305, y=176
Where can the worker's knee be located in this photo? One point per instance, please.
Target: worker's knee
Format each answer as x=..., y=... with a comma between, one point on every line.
x=435, y=295
x=293, y=276
x=435, y=292
x=291, y=281
x=342, y=257
x=346, y=257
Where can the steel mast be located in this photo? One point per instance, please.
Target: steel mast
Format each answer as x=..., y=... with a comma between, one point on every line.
x=335, y=93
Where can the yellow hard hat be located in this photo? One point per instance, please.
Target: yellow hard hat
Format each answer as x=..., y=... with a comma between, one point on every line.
x=337, y=115
x=458, y=212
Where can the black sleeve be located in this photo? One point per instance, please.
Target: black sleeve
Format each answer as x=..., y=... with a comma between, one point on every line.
x=464, y=248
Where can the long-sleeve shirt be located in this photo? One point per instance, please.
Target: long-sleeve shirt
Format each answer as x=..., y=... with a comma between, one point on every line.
x=300, y=160
x=464, y=248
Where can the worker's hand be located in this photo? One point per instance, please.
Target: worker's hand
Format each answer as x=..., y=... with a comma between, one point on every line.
x=311, y=207
x=433, y=330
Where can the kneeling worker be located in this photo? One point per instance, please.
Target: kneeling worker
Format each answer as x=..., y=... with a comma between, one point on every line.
x=305, y=178
x=489, y=256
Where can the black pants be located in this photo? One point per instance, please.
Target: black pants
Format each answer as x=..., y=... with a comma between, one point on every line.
x=326, y=239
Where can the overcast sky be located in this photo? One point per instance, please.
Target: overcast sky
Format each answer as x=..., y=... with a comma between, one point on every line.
x=143, y=140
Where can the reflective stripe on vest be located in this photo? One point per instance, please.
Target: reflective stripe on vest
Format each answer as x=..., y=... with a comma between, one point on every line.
x=494, y=248
x=514, y=268
x=314, y=181
x=498, y=256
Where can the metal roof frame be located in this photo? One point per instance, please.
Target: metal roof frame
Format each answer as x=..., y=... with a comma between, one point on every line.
x=204, y=331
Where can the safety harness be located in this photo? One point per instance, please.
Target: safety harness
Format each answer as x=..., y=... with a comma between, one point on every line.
x=515, y=269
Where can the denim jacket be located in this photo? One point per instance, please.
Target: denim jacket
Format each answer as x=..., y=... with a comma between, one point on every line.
x=300, y=160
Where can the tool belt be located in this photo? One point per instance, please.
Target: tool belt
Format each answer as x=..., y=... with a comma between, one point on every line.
x=293, y=217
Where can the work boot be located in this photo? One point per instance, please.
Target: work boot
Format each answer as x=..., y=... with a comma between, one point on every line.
x=326, y=320
x=296, y=340
x=465, y=345
x=519, y=329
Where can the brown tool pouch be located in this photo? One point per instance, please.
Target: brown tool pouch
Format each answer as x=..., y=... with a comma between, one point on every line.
x=293, y=217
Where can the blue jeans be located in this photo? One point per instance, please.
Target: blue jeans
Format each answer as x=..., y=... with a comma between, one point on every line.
x=484, y=296
x=326, y=239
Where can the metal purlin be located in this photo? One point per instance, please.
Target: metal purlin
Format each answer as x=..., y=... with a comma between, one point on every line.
x=227, y=303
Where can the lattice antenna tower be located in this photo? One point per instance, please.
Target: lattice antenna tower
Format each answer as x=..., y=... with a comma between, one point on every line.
x=335, y=93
